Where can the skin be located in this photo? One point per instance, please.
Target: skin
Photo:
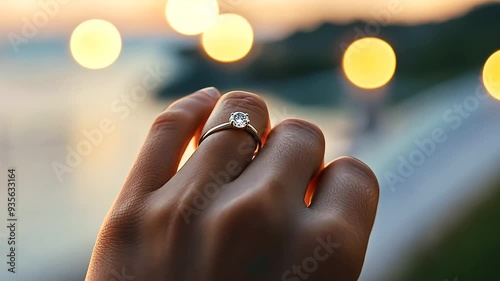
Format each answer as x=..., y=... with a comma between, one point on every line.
x=224, y=216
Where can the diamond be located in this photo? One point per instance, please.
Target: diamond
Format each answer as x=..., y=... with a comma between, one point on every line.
x=239, y=119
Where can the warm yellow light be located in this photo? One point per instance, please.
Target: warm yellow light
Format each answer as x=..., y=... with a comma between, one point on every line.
x=192, y=17
x=369, y=63
x=95, y=44
x=491, y=75
x=231, y=38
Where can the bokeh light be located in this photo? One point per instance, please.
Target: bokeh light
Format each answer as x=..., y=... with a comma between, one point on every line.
x=230, y=39
x=491, y=75
x=192, y=17
x=369, y=63
x=95, y=44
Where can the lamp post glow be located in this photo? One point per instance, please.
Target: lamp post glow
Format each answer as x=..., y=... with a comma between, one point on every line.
x=369, y=63
x=491, y=75
x=191, y=17
x=230, y=39
x=95, y=44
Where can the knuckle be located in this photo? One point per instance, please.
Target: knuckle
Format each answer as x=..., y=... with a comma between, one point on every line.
x=162, y=216
x=323, y=224
x=188, y=209
x=240, y=213
x=360, y=177
x=170, y=119
x=300, y=139
x=248, y=101
x=361, y=205
x=309, y=130
x=358, y=189
x=270, y=191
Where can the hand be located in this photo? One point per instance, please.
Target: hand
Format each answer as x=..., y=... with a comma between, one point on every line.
x=224, y=216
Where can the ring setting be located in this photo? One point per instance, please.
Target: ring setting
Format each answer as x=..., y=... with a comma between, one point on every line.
x=238, y=121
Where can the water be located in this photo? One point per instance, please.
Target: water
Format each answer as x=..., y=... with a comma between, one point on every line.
x=50, y=107
x=69, y=169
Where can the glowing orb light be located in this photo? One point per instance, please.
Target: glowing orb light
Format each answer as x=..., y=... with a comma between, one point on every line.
x=491, y=75
x=230, y=39
x=95, y=44
x=369, y=63
x=191, y=17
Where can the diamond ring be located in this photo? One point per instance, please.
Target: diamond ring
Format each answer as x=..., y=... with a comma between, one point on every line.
x=238, y=121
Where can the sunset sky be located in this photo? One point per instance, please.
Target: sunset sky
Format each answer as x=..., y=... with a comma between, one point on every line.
x=272, y=17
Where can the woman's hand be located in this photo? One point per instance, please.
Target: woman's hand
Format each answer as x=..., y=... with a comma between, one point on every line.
x=224, y=216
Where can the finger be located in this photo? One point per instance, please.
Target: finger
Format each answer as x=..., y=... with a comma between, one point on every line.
x=293, y=154
x=223, y=155
x=168, y=138
x=348, y=188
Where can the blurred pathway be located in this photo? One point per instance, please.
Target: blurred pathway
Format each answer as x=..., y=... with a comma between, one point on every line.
x=440, y=186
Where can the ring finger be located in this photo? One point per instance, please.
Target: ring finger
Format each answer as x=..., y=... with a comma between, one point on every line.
x=223, y=155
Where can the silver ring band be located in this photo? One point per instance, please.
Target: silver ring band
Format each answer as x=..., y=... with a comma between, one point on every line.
x=237, y=121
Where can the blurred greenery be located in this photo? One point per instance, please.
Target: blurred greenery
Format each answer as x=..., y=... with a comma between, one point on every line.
x=307, y=61
x=470, y=251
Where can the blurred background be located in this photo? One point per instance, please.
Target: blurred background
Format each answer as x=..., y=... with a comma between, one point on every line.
x=411, y=87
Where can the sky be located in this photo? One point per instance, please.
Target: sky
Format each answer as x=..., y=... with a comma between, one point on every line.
x=272, y=17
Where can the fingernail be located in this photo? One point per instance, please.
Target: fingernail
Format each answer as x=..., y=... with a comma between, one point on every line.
x=211, y=91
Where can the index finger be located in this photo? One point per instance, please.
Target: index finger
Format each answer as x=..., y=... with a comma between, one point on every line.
x=168, y=138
